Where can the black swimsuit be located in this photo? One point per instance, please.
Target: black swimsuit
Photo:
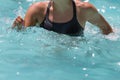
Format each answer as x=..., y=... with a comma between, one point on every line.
x=71, y=27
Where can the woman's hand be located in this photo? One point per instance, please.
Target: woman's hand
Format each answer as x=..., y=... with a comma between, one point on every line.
x=18, y=23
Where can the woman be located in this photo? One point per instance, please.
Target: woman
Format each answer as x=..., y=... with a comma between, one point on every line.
x=63, y=16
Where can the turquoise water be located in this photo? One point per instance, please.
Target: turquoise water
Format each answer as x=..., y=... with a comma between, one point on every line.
x=37, y=54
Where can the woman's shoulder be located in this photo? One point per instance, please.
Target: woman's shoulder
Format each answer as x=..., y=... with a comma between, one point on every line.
x=38, y=8
x=39, y=5
x=83, y=5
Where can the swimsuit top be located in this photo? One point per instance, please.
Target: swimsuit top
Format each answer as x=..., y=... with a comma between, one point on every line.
x=71, y=27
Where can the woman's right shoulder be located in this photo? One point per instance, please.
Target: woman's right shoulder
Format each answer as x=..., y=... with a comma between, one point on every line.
x=37, y=9
x=39, y=6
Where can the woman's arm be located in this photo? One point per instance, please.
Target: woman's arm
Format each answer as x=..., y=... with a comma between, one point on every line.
x=29, y=20
x=94, y=17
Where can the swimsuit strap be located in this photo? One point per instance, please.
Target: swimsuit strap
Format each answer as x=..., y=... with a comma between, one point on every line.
x=74, y=9
x=47, y=12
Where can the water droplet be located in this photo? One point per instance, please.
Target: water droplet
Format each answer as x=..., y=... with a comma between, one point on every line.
x=86, y=75
x=93, y=55
x=19, y=2
x=21, y=44
x=74, y=57
x=86, y=0
x=103, y=10
x=118, y=63
x=112, y=7
x=84, y=69
x=18, y=73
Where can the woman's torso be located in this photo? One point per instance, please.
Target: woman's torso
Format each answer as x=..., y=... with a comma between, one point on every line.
x=70, y=27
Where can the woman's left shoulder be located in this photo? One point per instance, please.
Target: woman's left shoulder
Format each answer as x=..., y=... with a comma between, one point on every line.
x=83, y=5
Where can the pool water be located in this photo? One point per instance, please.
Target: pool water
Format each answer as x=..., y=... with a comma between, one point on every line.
x=38, y=54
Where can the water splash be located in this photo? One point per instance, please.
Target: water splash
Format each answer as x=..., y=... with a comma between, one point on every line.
x=115, y=36
x=86, y=0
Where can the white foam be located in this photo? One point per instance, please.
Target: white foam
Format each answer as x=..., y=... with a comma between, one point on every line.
x=86, y=0
x=112, y=7
x=113, y=36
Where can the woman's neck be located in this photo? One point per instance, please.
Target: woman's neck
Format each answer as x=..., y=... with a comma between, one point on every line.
x=61, y=5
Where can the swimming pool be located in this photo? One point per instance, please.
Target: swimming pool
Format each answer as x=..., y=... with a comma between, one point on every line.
x=37, y=54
